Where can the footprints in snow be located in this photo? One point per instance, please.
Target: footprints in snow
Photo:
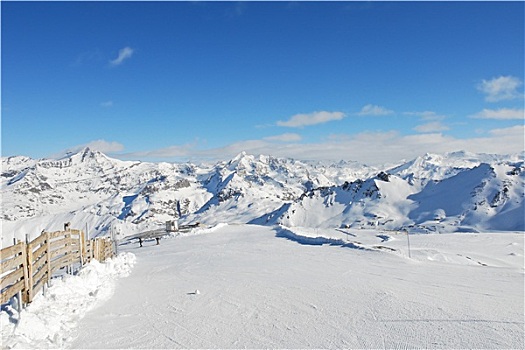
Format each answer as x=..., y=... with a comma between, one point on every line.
x=469, y=258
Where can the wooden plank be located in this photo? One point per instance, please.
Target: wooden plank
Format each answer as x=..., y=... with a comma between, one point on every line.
x=82, y=247
x=38, y=241
x=64, y=250
x=60, y=243
x=66, y=262
x=36, y=288
x=11, y=278
x=108, y=252
x=39, y=263
x=59, y=263
x=40, y=252
x=75, y=233
x=28, y=278
x=48, y=256
x=8, y=252
x=75, y=254
x=38, y=276
x=95, y=249
x=57, y=234
x=11, y=264
x=11, y=292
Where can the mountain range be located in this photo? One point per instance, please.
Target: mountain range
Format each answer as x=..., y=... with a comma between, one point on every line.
x=450, y=192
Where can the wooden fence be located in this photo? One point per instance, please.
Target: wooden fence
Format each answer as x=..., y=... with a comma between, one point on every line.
x=27, y=266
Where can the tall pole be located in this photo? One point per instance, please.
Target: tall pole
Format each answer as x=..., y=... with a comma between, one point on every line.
x=408, y=241
x=114, y=236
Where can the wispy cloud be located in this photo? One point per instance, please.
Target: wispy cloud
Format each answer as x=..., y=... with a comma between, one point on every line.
x=388, y=147
x=175, y=151
x=501, y=114
x=433, y=121
x=288, y=137
x=123, y=55
x=426, y=115
x=518, y=130
x=501, y=88
x=301, y=120
x=435, y=126
x=373, y=110
x=103, y=146
x=106, y=104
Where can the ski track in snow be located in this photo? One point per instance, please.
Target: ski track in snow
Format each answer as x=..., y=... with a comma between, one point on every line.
x=258, y=290
x=245, y=286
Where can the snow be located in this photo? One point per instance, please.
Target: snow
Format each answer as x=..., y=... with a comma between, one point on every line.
x=465, y=191
x=247, y=286
x=290, y=254
x=49, y=321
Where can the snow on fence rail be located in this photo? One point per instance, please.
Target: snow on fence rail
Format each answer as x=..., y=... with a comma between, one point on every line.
x=26, y=266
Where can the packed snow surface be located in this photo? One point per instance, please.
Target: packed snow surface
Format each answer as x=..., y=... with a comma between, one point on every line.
x=49, y=321
x=246, y=286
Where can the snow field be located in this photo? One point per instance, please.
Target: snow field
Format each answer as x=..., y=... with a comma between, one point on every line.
x=49, y=320
x=245, y=286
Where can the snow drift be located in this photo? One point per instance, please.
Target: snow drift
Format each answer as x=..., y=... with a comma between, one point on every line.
x=48, y=321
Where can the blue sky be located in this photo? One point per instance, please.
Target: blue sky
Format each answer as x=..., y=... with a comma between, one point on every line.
x=177, y=81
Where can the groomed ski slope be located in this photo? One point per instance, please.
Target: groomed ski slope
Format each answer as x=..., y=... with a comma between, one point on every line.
x=257, y=287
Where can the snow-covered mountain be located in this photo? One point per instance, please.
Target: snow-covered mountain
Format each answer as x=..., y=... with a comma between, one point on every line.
x=450, y=192
x=484, y=197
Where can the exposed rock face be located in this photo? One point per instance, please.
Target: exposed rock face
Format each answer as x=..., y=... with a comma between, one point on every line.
x=444, y=192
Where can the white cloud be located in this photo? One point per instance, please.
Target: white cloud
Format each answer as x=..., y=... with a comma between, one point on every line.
x=517, y=130
x=426, y=115
x=288, y=137
x=123, y=55
x=435, y=126
x=103, y=146
x=106, y=104
x=369, y=148
x=374, y=110
x=175, y=151
x=300, y=120
x=501, y=88
x=501, y=114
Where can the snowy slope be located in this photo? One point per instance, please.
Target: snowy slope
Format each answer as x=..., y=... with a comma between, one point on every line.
x=421, y=198
x=245, y=286
x=449, y=192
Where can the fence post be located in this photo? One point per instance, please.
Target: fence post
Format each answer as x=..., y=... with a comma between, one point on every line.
x=29, y=261
x=48, y=258
x=115, y=240
x=95, y=248
x=69, y=268
x=81, y=247
x=19, y=295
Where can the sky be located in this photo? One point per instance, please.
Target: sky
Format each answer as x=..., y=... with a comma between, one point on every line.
x=373, y=82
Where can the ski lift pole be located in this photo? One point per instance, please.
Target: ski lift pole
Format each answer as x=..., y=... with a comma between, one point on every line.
x=408, y=242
